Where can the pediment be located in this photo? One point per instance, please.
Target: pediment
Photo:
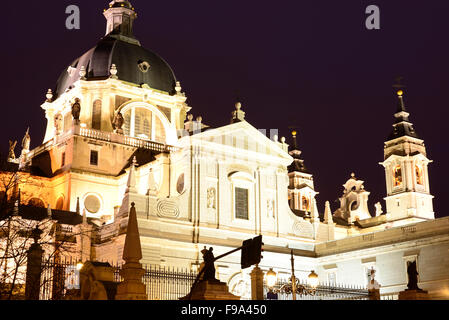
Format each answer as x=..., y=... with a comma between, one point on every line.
x=239, y=137
x=397, y=157
x=305, y=188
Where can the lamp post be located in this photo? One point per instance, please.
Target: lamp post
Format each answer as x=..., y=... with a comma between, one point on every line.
x=294, y=287
x=293, y=276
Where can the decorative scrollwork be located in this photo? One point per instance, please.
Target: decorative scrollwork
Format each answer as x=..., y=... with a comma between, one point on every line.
x=167, y=209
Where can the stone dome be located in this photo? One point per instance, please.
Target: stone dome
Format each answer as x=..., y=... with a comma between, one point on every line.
x=134, y=63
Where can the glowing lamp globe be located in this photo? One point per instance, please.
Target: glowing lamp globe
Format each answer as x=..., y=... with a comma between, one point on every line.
x=271, y=277
x=313, y=279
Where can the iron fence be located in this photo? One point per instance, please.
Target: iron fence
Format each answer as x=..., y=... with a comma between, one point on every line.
x=324, y=291
x=169, y=283
x=162, y=283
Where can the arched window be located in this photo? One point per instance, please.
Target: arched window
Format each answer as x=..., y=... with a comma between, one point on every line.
x=419, y=174
x=36, y=202
x=96, y=115
x=147, y=127
x=397, y=176
x=142, y=123
x=127, y=124
x=305, y=203
x=138, y=124
x=60, y=203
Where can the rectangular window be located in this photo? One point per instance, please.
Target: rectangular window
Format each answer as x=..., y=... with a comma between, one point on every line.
x=94, y=158
x=63, y=159
x=96, y=115
x=241, y=203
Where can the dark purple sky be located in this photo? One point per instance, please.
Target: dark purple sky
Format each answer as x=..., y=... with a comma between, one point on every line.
x=311, y=64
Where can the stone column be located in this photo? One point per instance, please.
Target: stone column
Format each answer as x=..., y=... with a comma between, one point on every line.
x=34, y=268
x=257, y=283
x=132, y=287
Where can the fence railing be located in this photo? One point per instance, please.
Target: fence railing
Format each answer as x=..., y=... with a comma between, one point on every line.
x=324, y=291
x=162, y=283
x=168, y=283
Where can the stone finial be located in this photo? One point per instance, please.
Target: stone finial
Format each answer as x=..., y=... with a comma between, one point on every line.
x=152, y=188
x=353, y=176
x=283, y=140
x=328, y=213
x=190, y=117
x=178, y=88
x=132, y=253
x=49, y=95
x=238, y=115
x=78, y=211
x=132, y=272
x=315, y=216
x=113, y=71
x=199, y=119
x=84, y=217
x=131, y=185
x=83, y=73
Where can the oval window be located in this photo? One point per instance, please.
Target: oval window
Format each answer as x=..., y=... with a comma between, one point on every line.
x=180, y=184
x=92, y=204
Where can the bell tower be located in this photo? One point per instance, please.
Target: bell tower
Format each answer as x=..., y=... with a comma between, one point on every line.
x=405, y=163
x=301, y=191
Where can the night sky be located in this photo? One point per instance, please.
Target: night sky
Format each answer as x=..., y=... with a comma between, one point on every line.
x=310, y=64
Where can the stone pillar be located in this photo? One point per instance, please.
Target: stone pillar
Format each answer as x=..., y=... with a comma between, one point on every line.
x=414, y=295
x=257, y=284
x=374, y=294
x=34, y=268
x=132, y=287
x=165, y=187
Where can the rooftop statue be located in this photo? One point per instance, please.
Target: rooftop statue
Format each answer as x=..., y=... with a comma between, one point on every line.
x=209, y=267
x=26, y=141
x=412, y=276
x=118, y=122
x=76, y=110
x=12, y=146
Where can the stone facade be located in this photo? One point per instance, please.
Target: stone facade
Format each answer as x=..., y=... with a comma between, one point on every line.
x=194, y=186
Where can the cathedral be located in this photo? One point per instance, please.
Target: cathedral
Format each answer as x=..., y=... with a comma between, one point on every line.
x=119, y=131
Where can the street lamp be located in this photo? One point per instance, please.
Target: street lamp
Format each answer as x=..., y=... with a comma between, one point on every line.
x=313, y=280
x=294, y=286
x=79, y=266
x=271, y=277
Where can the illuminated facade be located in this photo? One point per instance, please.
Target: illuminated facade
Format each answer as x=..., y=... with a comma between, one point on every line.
x=118, y=131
